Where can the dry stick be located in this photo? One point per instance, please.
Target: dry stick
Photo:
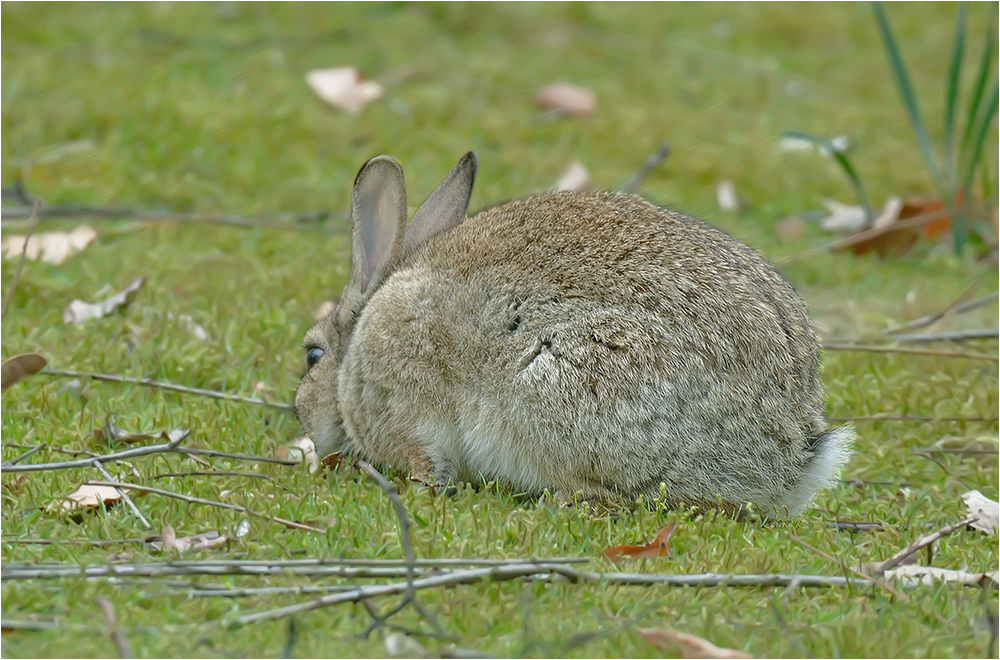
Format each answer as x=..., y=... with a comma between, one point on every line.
x=934, y=318
x=116, y=631
x=298, y=221
x=922, y=542
x=961, y=335
x=89, y=462
x=404, y=538
x=914, y=351
x=879, y=581
x=861, y=237
x=100, y=544
x=33, y=220
x=238, y=457
x=18, y=459
x=910, y=418
x=148, y=382
x=654, y=159
x=222, y=505
x=124, y=495
x=515, y=571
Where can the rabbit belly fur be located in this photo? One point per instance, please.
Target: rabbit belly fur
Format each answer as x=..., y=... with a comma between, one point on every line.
x=590, y=344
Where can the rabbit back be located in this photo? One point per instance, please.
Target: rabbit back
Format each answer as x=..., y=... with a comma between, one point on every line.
x=594, y=344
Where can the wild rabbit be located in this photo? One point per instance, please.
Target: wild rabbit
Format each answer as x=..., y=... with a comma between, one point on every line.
x=594, y=345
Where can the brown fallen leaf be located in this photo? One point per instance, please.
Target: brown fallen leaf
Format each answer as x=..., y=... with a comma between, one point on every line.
x=982, y=507
x=334, y=461
x=86, y=498
x=20, y=367
x=78, y=311
x=301, y=449
x=169, y=541
x=344, y=87
x=575, y=178
x=325, y=309
x=52, y=247
x=658, y=547
x=112, y=434
x=691, y=646
x=892, y=242
x=570, y=99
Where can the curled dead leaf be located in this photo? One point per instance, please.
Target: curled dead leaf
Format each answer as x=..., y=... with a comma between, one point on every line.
x=575, y=178
x=20, y=367
x=78, y=311
x=691, y=646
x=170, y=542
x=86, y=498
x=52, y=247
x=658, y=547
x=928, y=575
x=983, y=508
x=570, y=99
x=301, y=449
x=344, y=87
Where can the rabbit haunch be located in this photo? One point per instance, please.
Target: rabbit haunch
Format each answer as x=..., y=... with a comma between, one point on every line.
x=590, y=344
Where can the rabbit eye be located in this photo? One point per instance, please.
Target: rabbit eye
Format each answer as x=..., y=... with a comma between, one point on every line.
x=313, y=355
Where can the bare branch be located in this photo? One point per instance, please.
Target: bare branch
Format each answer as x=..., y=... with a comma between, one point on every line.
x=116, y=632
x=124, y=495
x=923, y=541
x=33, y=450
x=930, y=319
x=89, y=462
x=913, y=351
x=864, y=576
x=657, y=157
x=961, y=335
x=198, y=500
x=148, y=382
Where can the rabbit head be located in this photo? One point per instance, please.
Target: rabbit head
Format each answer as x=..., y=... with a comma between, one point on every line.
x=381, y=240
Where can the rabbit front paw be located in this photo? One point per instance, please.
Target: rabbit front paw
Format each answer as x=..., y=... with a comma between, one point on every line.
x=422, y=469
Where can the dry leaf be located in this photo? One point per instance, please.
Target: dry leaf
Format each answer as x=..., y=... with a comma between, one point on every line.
x=53, y=247
x=115, y=435
x=334, y=461
x=86, y=497
x=790, y=230
x=890, y=212
x=897, y=242
x=325, y=309
x=301, y=449
x=926, y=575
x=570, y=99
x=398, y=645
x=726, y=197
x=20, y=367
x=844, y=218
x=691, y=646
x=344, y=87
x=79, y=311
x=982, y=507
x=169, y=542
x=575, y=178
x=658, y=547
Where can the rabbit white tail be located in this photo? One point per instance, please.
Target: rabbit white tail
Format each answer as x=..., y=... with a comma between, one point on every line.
x=832, y=449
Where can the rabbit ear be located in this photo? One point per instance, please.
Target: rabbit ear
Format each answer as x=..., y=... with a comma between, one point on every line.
x=378, y=220
x=446, y=206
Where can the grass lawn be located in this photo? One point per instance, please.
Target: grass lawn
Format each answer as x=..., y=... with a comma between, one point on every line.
x=203, y=108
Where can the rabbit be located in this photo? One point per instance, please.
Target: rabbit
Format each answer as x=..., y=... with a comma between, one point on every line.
x=590, y=344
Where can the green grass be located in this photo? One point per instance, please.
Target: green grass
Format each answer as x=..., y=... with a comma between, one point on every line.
x=187, y=108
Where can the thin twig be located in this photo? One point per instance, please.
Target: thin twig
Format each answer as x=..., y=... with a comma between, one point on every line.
x=404, y=538
x=124, y=495
x=922, y=542
x=864, y=576
x=148, y=382
x=281, y=221
x=236, y=457
x=913, y=351
x=116, y=632
x=89, y=462
x=961, y=335
x=911, y=418
x=33, y=450
x=657, y=157
x=934, y=318
x=222, y=505
x=99, y=544
x=32, y=221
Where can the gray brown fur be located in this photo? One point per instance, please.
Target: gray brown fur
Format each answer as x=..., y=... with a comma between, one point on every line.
x=589, y=344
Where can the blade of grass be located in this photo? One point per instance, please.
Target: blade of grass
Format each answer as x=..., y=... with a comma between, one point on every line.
x=979, y=114
x=844, y=163
x=908, y=95
x=979, y=133
x=951, y=97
